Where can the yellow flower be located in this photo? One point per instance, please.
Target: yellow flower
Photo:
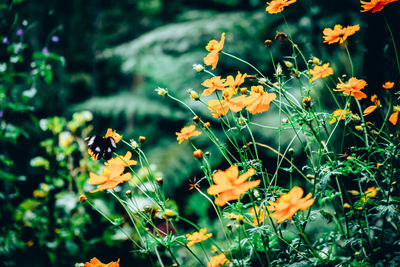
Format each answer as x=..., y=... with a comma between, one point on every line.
x=221, y=107
x=218, y=260
x=197, y=237
x=187, y=132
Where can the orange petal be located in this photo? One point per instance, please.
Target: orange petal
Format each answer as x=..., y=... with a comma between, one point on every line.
x=242, y=178
x=369, y=110
x=394, y=117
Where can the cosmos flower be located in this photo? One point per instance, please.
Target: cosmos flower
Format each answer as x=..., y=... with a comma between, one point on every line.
x=395, y=115
x=258, y=101
x=388, y=85
x=229, y=185
x=370, y=109
x=320, y=72
x=96, y=263
x=353, y=87
x=221, y=107
x=197, y=237
x=214, y=83
x=187, y=132
x=234, y=83
x=214, y=47
x=375, y=5
x=339, y=114
x=288, y=204
x=338, y=33
x=218, y=260
x=277, y=6
x=113, y=134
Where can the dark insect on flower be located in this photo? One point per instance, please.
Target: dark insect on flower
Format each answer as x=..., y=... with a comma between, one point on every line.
x=100, y=147
x=103, y=147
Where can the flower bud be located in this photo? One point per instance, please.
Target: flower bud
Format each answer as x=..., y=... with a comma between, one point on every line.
x=346, y=206
x=207, y=125
x=196, y=119
x=142, y=139
x=128, y=193
x=82, y=198
x=306, y=102
x=291, y=151
x=198, y=154
x=243, y=90
x=288, y=64
x=161, y=91
x=160, y=180
x=240, y=219
x=207, y=154
x=310, y=176
x=193, y=95
x=198, y=67
x=268, y=43
x=358, y=127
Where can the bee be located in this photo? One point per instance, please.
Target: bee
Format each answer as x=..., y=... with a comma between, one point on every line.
x=101, y=147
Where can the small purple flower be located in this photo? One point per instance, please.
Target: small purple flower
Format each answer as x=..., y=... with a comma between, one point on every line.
x=45, y=51
x=55, y=39
x=20, y=32
x=5, y=40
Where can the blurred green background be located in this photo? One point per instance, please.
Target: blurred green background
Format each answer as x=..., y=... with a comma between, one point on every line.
x=107, y=57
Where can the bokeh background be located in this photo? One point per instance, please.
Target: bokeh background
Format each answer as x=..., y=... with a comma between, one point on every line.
x=107, y=57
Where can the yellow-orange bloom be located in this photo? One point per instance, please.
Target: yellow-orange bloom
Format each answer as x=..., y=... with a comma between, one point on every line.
x=261, y=215
x=221, y=107
x=375, y=5
x=113, y=134
x=234, y=83
x=338, y=33
x=229, y=185
x=96, y=263
x=258, y=101
x=353, y=87
x=218, y=260
x=110, y=176
x=370, y=109
x=321, y=72
x=277, y=6
x=123, y=161
x=388, y=85
x=288, y=204
x=395, y=115
x=187, y=132
x=214, y=83
x=197, y=237
x=215, y=48
x=339, y=114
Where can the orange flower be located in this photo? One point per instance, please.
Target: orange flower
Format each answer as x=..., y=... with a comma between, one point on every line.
x=111, y=175
x=113, y=134
x=218, y=260
x=261, y=214
x=338, y=33
x=339, y=114
x=375, y=5
x=221, y=107
x=277, y=6
x=388, y=85
x=353, y=87
x=288, y=204
x=321, y=72
x=370, y=109
x=197, y=237
x=395, y=115
x=123, y=161
x=229, y=185
x=215, y=83
x=96, y=263
x=234, y=83
x=258, y=101
x=215, y=48
x=186, y=133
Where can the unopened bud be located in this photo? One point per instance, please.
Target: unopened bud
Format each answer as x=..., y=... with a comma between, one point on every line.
x=358, y=127
x=346, y=206
x=243, y=90
x=291, y=151
x=196, y=119
x=207, y=125
x=198, y=154
x=82, y=198
x=128, y=193
x=160, y=180
x=207, y=154
x=142, y=139
x=288, y=64
x=198, y=67
x=240, y=219
x=310, y=176
x=193, y=95
x=268, y=43
x=161, y=91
